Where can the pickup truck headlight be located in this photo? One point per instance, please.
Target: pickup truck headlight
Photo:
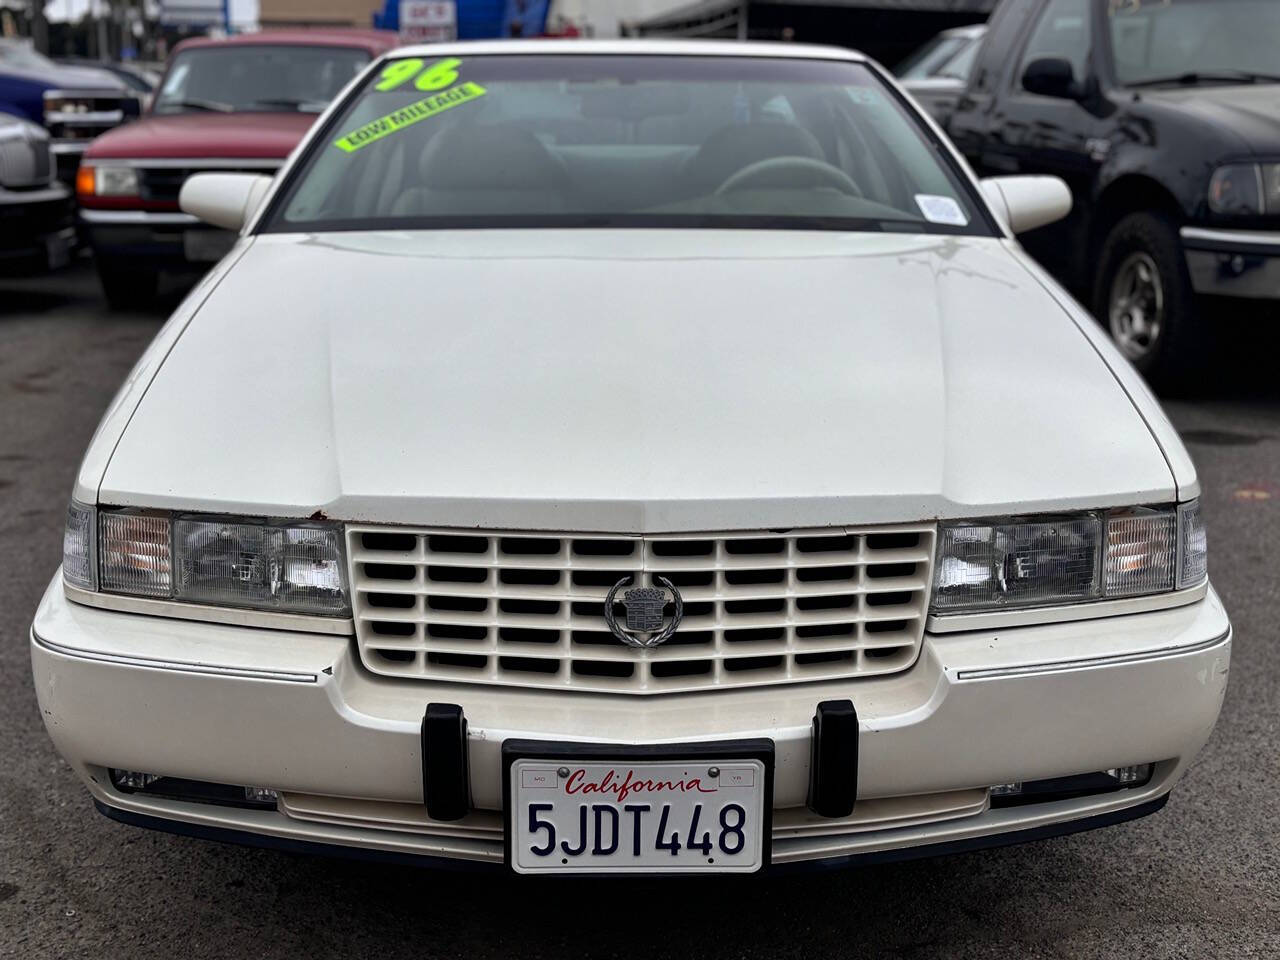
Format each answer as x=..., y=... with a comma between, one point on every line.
x=1017, y=563
x=96, y=181
x=1248, y=189
x=284, y=566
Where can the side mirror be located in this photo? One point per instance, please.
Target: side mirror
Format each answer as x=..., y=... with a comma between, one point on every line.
x=1051, y=77
x=223, y=199
x=1024, y=203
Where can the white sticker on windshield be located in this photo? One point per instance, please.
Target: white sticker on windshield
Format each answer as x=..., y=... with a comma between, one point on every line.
x=941, y=210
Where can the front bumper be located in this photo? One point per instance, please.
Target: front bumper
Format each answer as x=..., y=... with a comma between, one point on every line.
x=165, y=240
x=1233, y=263
x=36, y=229
x=297, y=712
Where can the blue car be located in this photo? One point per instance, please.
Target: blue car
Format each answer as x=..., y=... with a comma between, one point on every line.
x=74, y=104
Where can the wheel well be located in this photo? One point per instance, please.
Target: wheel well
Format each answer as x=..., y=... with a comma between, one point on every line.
x=1132, y=193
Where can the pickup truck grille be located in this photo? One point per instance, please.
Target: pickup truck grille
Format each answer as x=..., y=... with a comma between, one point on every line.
x=77, y=116
x=527, y=609
x=161, y=184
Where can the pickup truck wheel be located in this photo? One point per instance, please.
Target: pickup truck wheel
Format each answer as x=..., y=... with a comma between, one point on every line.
x=126, y=285
x=1144, y=296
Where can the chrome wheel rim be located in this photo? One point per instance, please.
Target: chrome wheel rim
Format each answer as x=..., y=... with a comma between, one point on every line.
x=1137, y=306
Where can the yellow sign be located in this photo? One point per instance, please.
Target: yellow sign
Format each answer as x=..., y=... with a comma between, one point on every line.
x=406, y=116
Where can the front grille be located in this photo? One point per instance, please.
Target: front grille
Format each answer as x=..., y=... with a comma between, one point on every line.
x=83, y=115
x=527, y=610
x=162, y=184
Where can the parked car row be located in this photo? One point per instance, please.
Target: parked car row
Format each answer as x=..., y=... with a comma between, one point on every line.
x=74, y=103
x=240, y=104
x=236, y=104
x=1164, y=119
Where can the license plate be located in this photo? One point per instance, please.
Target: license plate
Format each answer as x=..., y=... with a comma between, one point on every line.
x=571, y=816
x=207, y=246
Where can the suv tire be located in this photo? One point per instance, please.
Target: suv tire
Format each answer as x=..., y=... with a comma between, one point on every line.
x=1143, y=296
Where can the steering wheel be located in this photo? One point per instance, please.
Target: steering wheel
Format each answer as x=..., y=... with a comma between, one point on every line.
x=818, y=170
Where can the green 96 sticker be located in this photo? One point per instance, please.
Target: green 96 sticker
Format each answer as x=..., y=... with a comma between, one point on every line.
x=441, y=76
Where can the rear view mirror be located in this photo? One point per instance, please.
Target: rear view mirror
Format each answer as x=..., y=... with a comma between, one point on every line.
x=1024, y=203
x=1051, y=77
x=223, y=199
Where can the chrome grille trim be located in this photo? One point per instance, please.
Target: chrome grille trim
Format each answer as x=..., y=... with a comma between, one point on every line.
x=526, y=609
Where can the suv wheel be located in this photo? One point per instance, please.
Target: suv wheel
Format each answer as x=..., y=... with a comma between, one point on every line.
x=126, y=285
x=1143, y=295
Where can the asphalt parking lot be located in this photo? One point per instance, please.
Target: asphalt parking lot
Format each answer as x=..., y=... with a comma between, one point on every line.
x=1200, y=879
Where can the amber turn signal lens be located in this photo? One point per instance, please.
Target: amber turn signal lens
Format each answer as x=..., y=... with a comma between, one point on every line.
x=84, y=181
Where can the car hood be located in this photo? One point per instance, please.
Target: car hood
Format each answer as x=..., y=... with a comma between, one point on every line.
x=204, y=135
x=632, y=381
x=66, y=78
x=1250, y=111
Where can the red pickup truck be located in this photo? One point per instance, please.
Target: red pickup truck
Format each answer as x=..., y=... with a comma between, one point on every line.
x=236, y=104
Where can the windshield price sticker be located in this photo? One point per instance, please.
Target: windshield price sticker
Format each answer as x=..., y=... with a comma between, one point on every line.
x=433, y=76
x=375, y=130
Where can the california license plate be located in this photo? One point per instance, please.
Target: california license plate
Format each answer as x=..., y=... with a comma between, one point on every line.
x=572, y=816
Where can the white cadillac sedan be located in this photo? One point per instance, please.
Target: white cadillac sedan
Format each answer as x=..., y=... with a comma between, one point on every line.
x=630, y=458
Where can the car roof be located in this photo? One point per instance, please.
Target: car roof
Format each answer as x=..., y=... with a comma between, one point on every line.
x=374, y=41
x=688, y=48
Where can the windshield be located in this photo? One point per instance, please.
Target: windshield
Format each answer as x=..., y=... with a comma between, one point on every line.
x=249, y=77
x=1207, y=39
x=626, y=141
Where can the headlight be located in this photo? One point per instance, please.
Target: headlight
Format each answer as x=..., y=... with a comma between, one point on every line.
x=95, y=181
x=986, y=566
x=135, y=554
x=284, y=566
x=1248, y=189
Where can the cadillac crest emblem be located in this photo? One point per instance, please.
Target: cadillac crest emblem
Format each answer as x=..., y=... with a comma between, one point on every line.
x=645, y=616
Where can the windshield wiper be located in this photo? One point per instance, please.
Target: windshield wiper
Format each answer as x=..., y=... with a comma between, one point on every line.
x=308, y=106
x=213, y=106
x=1209, y=76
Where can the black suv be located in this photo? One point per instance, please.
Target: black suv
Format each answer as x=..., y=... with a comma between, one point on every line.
x=1164, y=119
